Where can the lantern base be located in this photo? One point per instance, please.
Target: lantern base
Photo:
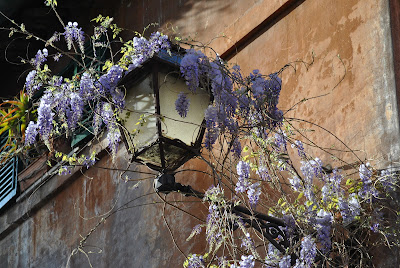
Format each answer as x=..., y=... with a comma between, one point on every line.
x=165, y=183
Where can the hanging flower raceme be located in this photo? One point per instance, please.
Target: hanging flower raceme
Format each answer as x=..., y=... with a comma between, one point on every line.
x=388, y=180
x=32, y=84
x=97, y=120
x=191, y=68
x=194, y=261
x=45, y=118
x=253, y=193
x=74, y=34
x=332, y=190
x=87, y=89
x=245, y=262
x=349, y=209
x=182, y=104
x=367, y=190
x=75, y=111
x=31, y=133
x=40, y=58
x=323, y=226
x=300, y=148
x=158, y=41
x=307, y=253
x=113, y=134
x=108, y=84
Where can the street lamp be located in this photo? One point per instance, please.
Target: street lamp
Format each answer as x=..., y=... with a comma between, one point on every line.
x=153, y=131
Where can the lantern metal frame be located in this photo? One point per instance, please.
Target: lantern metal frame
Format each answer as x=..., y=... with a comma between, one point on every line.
x=152, y=67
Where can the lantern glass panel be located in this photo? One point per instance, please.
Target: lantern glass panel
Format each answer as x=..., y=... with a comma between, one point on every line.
x=139, y=115
x=173, y=125
x=151, y=155
x=173, y=155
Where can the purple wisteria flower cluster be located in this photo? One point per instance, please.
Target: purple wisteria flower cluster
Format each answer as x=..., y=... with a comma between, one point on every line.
x=74, y=34
x=243, y=184
x=332, y=189
x=263, y=173
x=182, y=104
x=32, y=84
x=64, y=99
x=247, y=242
x=307, y=253
x=368, y=190
x=40, y=58
x=143, y=49
x=388, y=180
x=323, y=225
x=245, y=262
x=300, y=148
x=310, y=169
x=273, y=257
x=280, y=141
x=213, y=227
x=45, y=118
x=195, y=261
x=238, y=100
x=349, y=209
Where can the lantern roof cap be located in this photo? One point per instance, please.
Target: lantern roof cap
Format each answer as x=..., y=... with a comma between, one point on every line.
x=169, y=59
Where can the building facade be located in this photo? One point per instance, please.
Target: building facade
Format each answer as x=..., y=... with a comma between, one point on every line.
x=344, y=58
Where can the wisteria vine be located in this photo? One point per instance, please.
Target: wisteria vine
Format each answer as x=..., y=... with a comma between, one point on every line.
x=264, y=163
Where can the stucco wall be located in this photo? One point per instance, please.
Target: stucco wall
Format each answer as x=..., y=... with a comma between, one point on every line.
x=361, y=110
x=45, y=227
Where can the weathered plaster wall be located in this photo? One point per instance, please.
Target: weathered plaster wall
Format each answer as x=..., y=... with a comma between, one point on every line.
x=361, y=110
x=44, y=229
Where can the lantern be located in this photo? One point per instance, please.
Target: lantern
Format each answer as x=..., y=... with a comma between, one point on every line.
x=153, y=131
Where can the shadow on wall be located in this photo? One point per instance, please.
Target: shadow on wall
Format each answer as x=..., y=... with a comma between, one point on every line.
x=179, y=17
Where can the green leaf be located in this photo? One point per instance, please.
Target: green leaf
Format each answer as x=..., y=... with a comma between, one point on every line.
x=107, y=65
x=98, y=18
x=50, y=3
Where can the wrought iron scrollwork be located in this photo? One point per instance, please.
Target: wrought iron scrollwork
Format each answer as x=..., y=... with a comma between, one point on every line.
x=271, y=228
